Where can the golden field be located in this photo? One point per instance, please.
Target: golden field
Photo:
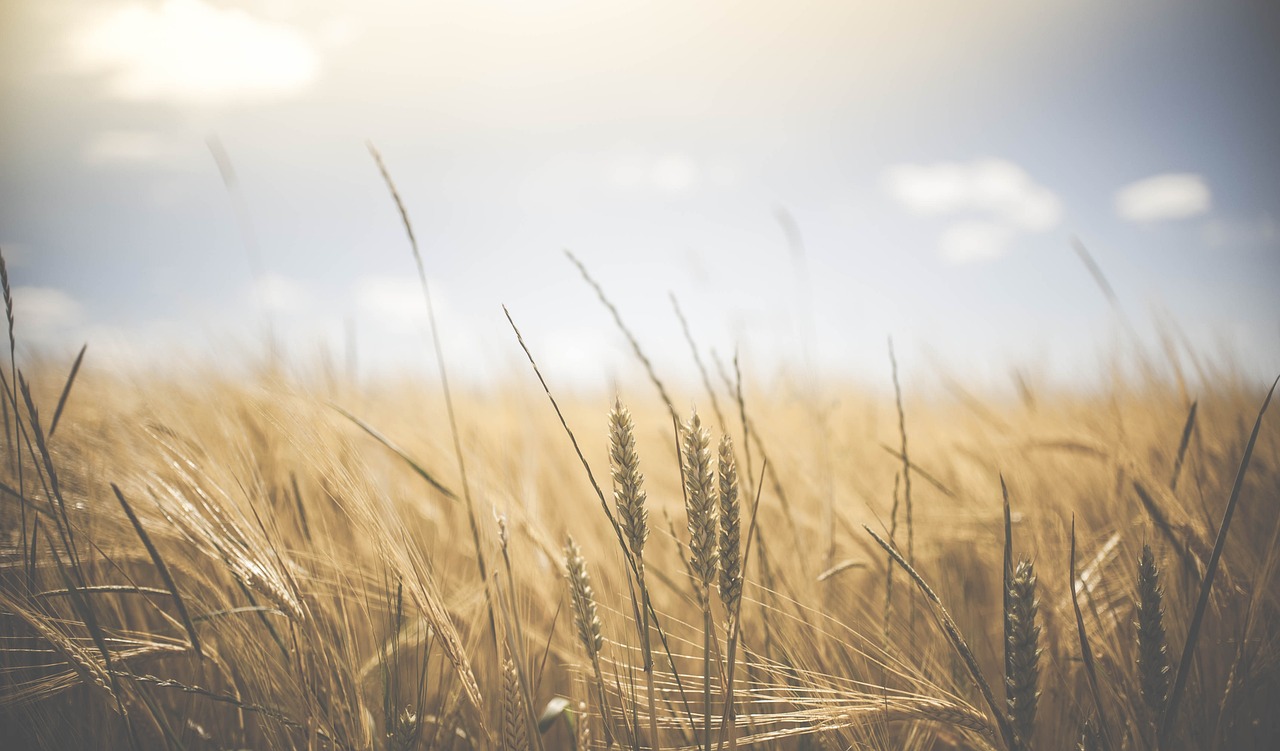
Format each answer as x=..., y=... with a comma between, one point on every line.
x=275, y=561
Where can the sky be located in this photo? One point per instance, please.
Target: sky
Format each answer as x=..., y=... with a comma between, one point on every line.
x=807, y=179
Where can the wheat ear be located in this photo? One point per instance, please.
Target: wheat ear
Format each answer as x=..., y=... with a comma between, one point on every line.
x=701, y=502
x=1153, y=658
x=730, y=528
x=1022, y=654
x=587, y=620
x=633, y=516
x=515, y=731
x=628, y=483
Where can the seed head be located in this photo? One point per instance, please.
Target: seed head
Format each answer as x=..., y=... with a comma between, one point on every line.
x=1022, y=655
x=730, y=528
x=628, y=482
x=1153, y=661
x=585, y=616
x=699, y=485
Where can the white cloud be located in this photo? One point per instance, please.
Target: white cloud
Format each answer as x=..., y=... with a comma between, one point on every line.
x=40, y=312
x=970, y=241
x=394, y=301
x=190, y=51
x=999, y=191
x=1161, y=197
x=994, y=187
x=280, y=294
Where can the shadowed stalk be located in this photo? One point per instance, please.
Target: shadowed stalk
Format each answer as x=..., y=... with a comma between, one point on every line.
x=1086, y=653
x=17, y=418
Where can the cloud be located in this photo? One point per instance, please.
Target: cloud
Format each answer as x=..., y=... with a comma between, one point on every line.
x=394, y=301
x=42, y=312
x=995, y=187
x=1174, y=195
x=189, y=51
x=970, y=241
x=280, y=294
x=999, y=191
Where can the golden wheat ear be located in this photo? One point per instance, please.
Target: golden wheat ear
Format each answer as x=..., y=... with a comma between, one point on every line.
x=628, y=482
x=701, y=502
x=730, y=528
x=515, y=733
x=585, y=616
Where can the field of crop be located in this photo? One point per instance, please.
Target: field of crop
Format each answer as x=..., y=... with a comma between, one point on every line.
x=285, y=561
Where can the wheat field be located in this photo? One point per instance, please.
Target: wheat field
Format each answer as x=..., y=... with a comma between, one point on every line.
x=300, y=561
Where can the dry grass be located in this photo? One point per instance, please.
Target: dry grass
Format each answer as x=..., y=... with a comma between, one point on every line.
x=209, y=564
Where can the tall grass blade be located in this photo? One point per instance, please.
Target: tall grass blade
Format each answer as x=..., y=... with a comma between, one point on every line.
x=66, y=390
x=163, y=570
